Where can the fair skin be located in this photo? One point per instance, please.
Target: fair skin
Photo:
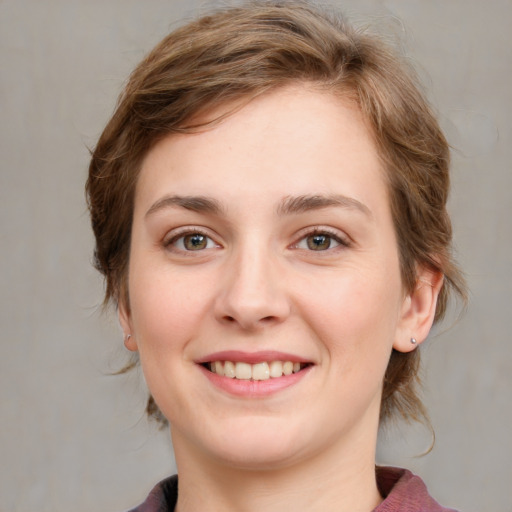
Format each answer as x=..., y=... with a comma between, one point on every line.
x=265, y=239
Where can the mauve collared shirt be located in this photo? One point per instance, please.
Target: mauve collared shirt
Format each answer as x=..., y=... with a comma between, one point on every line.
x=402, y=492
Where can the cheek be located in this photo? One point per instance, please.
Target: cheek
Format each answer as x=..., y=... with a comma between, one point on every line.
x=355, y=316
x=165, y=310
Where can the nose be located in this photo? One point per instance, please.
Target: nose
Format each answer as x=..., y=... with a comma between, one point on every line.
x=253, y=292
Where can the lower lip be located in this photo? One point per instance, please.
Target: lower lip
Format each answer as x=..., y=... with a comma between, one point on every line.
x=254, y=388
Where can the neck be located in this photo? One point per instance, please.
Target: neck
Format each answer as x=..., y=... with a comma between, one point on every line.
x=340, y=480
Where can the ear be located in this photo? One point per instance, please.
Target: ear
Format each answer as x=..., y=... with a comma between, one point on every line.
x=418, y=310
x=126, y=324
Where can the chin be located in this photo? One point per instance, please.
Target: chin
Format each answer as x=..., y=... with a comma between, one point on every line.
x=258, y=457
x=251, y=445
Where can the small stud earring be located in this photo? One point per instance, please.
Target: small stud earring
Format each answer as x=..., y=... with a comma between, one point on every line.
x=127, y=337
x=413, y=341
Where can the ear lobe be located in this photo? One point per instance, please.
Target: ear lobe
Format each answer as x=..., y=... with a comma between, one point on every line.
x=126, y=325
x=418, y=311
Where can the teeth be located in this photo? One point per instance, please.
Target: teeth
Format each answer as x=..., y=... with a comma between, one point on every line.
x=258, y=371
x=287, y=367
x=243, y=371
x=229, y=369
x=218, y=368
x=276, y=369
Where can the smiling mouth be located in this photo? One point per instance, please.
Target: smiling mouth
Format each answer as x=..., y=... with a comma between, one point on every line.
x=254, y=372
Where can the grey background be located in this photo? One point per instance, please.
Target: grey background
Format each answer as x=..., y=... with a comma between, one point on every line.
x=75, y=438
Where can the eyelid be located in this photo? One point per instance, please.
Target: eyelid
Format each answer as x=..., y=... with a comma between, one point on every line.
x=172, y=236
x=340, y=237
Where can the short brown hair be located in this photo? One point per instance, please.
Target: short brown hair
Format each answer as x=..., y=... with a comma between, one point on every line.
x=241, y=52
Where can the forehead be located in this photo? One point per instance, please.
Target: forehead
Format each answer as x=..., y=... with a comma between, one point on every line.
x=295, y=140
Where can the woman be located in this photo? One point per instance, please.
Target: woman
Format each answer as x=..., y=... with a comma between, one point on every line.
x=269, y=206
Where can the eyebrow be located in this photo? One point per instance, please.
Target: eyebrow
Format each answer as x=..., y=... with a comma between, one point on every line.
x=200, y=204
x=301, y=204
x=290, y=205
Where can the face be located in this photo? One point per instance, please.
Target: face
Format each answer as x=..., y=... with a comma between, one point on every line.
x=264, y=282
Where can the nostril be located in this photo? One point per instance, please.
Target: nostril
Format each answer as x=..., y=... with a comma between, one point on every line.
x=228, y=319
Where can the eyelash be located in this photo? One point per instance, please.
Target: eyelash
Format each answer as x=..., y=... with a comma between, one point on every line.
x=170, y=243
x=319, y=231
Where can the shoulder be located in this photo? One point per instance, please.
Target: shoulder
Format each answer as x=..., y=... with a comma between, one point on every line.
x=404, y=492
x=162, y=498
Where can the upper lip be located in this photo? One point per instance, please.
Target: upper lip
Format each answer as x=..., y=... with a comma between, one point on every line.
x=251, y=357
